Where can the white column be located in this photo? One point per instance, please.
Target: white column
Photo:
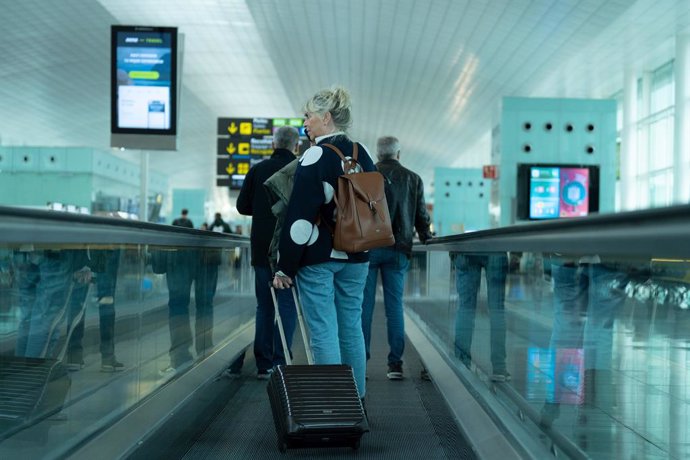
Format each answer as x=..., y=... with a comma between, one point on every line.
x=681, y=144
x=144, y=187
x=628, y=154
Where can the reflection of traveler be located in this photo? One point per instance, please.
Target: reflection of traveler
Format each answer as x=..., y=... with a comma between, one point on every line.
x=330, y=282
x=183, y=220
x=253, y=201
x=468, y=271
x=219, y=225
x=106, y=263
x=47, y=280
x=184, y=267
x=587, y=294
x=405, y=196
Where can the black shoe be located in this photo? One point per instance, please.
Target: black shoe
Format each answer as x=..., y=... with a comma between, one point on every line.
x=395, y=371
x=424, y=375
x=111, y=365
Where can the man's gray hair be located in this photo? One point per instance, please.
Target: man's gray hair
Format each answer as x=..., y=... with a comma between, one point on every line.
x=286, y=137
x=387, y=147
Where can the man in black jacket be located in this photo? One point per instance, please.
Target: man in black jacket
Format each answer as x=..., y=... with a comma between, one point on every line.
x=405, y=196
x=253, y=201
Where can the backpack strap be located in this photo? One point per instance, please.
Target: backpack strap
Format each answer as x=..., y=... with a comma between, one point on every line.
x=347, y=161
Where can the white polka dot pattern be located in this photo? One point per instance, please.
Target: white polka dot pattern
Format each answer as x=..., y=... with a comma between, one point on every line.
x=311, y=156
x=314, y=236
x=338, y=254
x=328, y=192
x=300, y=231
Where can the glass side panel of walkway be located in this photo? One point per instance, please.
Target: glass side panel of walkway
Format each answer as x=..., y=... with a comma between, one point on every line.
x=558, y=338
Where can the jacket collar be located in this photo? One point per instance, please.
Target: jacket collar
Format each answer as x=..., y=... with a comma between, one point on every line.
x=321, y=138
x=283, y=153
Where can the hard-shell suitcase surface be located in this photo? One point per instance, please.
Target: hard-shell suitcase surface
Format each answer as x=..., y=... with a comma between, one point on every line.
x=314, y=405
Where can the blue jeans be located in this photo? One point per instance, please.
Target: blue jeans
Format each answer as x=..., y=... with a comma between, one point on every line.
x=585, y=307
x=393, y=266
x=44, y=280
x=468, y=271
x=331, y=295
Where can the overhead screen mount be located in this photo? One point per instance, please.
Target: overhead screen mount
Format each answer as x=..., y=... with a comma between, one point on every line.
x=144, y=87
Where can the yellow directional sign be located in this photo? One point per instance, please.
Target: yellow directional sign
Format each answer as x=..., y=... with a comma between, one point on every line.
x=246, y=128
x=243, y=167
x=243, y=148
x=232, y=129
x=230, y=169
x=231, y=148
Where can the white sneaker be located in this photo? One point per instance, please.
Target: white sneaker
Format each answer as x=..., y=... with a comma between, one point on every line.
x=167, y=372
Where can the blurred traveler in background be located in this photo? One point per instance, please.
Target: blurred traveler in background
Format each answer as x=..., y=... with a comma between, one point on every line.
x=405, y=196
x=183, y=220
x=219, y=225
x=253, y=201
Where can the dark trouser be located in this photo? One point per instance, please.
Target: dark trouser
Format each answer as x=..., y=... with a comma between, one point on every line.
x=268, y=348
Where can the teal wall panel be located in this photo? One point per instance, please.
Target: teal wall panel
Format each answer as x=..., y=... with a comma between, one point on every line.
x=31, y=176
x=32, y=189
x=558, y=131
x=192, y=199
x=461, y=200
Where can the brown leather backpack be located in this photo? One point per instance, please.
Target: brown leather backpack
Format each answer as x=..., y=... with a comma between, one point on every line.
x=362, y=220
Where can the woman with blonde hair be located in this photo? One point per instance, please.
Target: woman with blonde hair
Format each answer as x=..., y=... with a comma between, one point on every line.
x=331, y=282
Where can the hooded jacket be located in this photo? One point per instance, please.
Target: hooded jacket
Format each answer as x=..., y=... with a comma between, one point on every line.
x=279, y=187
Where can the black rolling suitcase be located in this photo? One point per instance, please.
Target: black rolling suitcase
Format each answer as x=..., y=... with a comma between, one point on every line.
x=314, y=405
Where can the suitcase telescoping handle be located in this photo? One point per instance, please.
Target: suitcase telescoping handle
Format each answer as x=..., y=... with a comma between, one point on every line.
x=302, y=326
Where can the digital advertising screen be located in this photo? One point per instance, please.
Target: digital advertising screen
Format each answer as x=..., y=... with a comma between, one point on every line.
x=557, y=191
x=544, y=189
x=574, y=191
x=144, y=80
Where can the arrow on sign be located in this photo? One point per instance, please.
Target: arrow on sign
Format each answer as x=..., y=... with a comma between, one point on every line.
x=231, y=149
x=232, y=129
x=230, y=169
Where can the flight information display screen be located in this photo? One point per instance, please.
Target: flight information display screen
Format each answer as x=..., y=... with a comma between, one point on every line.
x=144, y=80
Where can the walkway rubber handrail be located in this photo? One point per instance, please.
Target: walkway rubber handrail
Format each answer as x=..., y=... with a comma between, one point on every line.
x=31, y=226
x=659, y=232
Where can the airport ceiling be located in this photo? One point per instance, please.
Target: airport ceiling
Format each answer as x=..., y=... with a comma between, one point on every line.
x=431, y=72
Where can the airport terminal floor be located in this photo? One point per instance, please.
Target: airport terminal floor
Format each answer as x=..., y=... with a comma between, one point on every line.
x=556, y=339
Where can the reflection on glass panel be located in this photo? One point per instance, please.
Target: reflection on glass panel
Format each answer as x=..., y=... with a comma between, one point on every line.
x=661, y=188
x=591, y=349
x=88, y=332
